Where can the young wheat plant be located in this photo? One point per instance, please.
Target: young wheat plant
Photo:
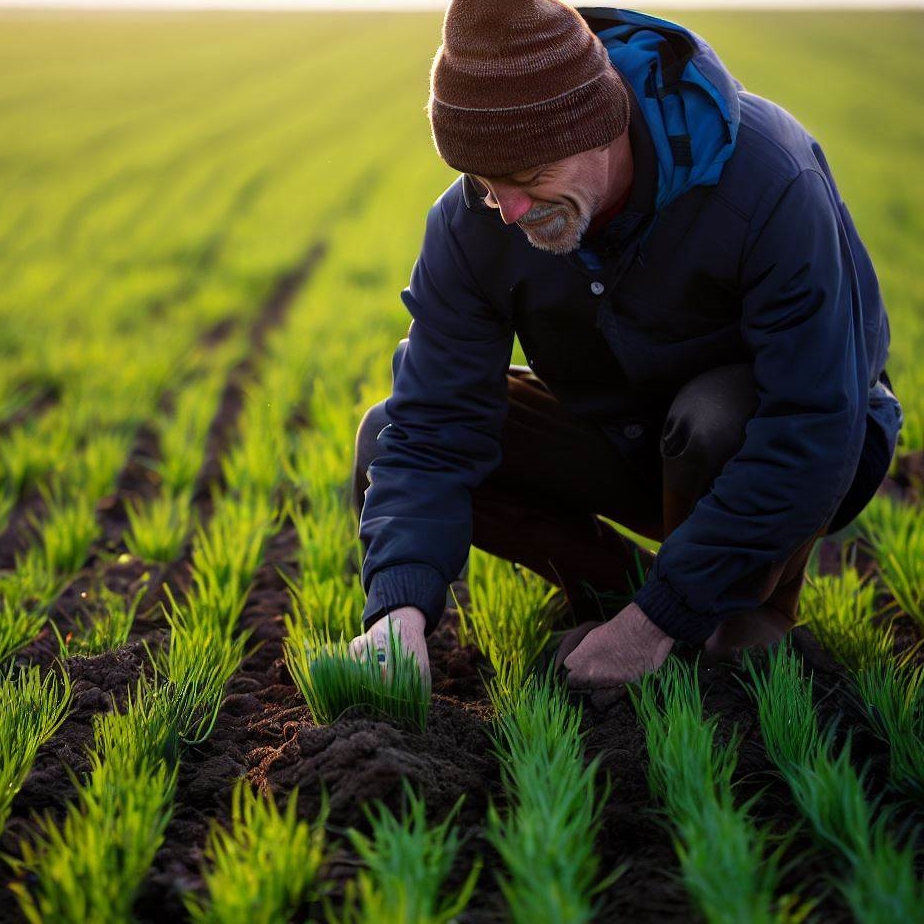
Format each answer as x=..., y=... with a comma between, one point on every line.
x=875, y=875
x=896, y=533
x=406, y=863
x=264, y=866
x=892, y=696
x=727, y=863
x=31, y=711
x=546, y=838
x=508, y=620
x=333, y=681
x=839, y=610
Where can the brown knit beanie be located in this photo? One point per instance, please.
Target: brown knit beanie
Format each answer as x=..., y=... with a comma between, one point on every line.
x=518, y=83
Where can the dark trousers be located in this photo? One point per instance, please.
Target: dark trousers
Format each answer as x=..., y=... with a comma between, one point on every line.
x=559, y=473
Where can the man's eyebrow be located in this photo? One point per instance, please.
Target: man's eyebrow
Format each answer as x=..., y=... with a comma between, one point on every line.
x=532, y=177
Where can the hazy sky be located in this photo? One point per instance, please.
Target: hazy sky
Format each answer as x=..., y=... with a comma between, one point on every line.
x=439, y=4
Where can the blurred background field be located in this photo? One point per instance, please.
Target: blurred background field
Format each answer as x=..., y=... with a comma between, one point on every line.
x=159, y=171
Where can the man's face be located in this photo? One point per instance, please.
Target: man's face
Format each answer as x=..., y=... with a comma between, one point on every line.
x=554, y=203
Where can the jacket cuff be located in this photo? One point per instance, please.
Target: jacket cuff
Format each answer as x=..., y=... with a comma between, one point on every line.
x=670, y=613
x=406, y=585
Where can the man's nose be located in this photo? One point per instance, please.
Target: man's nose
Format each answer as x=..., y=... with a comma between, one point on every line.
x=513, y=203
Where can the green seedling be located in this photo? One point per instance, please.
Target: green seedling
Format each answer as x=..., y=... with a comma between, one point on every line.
x=892, y=697
x=67, y=532
x=261, y=869
x=227, y=554
x=728, y=864
x=327, y=540
x=182, y=436
x=199, y=660
x=90, y=869
x=93, y=472
x=31, y=454
x=381, y=683
x=546, y=838
x=830, y=793
x=159, y=527
x=839, y=610
x=317, y=468
x=19, y=625
x=32, y=709
x=406, y=863
x=253, y=463
x=896, y=533
x=328, y=604
x=106, y=629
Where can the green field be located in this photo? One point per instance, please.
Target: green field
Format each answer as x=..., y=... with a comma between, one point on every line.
x=205, y=224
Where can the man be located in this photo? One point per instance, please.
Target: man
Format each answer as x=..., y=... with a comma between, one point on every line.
x=704, y=329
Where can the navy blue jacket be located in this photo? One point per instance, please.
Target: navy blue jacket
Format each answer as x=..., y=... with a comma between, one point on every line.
x=734, y=246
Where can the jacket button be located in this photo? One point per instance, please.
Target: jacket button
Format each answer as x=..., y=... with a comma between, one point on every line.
x=633, y=431
x=597, y=287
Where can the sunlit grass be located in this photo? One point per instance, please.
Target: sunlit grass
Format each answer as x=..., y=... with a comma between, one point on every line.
x=896, y=533
x=508, y=619
x=730, y=865
x=333, y=681
x=840, y=611
x=106, y=627
x=546, y=835
x=831, y=795
x=32, y=708
x=264, y=866
x=892, y=696
x=405, y=864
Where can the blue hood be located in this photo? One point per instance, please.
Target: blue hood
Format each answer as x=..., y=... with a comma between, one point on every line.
x=687, y=96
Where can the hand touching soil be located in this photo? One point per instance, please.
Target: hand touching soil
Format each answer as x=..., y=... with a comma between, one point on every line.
x=620, y=651
x=407, y=624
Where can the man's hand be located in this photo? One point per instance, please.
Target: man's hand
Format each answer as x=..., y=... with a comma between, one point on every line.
x=620, y=651
x=407, y=624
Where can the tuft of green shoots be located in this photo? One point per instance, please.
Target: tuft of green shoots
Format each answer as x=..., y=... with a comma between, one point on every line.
x=546, y=837
x=896, y=533
x=508, y=620
x=830, y=794
x=253, y=463
x=158, y=528
x=885, y=889
x=67, y=531
x=106, y=629
x=728, y=866
x=332, y=681
x=32, y=709
x=786, y=708
x=261, y=869
x=327, y=539
x=18, y=626
x=226, y=556
x=330, y=604
x=183, y=433
x=90, y=869
x=892, y=696
x=839, y=610
x=199, y=660
x=406, y=863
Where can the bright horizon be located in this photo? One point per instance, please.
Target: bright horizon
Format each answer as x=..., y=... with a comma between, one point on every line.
x=349, y=5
